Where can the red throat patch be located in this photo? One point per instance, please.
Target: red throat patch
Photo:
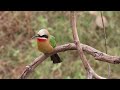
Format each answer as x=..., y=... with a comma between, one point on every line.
x=41, y=39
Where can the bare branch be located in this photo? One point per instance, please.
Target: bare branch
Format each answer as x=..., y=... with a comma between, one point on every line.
x=77, y=41
x=32, y=66
x=98, y=55
x=90, y=71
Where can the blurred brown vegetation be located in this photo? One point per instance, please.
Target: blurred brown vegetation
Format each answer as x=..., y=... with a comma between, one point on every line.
x=18, y=50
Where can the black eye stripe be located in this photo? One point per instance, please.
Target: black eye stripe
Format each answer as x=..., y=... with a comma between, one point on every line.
x=44, y=36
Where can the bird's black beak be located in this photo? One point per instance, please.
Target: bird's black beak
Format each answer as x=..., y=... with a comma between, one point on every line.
x=35, y=36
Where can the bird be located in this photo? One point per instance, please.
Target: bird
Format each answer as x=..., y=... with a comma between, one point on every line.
x=46, y=44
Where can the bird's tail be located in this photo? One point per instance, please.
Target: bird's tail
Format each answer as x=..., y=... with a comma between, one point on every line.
x=55, y=58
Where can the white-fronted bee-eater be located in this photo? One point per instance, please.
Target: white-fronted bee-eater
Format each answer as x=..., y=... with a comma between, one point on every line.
x=46, y=44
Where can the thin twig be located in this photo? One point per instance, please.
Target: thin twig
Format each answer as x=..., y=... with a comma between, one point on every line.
x=105, y=37
x=105, y=33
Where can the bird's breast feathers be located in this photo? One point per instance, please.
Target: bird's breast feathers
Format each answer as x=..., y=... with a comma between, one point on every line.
x=44, y=45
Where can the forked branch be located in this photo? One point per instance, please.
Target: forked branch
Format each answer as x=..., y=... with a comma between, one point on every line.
x=90, y=71
x=98, y=55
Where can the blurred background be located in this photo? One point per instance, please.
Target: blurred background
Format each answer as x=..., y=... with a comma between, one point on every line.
x=18, y=50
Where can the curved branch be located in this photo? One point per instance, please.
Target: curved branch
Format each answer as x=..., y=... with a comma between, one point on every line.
x=90, y=71
x=98, y=55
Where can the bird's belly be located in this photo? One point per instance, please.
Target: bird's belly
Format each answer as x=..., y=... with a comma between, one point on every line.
x=45, y=47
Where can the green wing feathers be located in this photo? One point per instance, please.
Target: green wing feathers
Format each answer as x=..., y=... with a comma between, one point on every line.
x=52, y=41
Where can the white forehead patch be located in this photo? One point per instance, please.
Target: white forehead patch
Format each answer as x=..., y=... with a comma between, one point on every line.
x=43, y=32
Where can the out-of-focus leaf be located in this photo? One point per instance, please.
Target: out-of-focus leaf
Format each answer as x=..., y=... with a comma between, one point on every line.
x=34, y=43
x=43, y=21
x=98, y=21
x=16, y=52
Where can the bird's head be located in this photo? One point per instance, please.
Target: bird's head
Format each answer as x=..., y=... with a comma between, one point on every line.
x=42, y=35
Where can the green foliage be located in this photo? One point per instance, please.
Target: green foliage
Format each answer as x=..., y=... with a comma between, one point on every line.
x=42, y=21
